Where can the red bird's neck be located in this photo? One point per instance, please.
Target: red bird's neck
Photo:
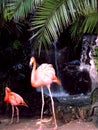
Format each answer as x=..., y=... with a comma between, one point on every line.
x=6, y=98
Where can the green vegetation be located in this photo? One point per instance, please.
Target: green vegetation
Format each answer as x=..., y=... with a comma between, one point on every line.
x=16, y=44
x=96, y=57
x=51, y=17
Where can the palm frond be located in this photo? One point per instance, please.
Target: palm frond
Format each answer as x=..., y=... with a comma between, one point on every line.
x=87, y=7
x=3, y=13
x=20, y=8
x=88, y=18
x=52, y=16
x=88, y=24
x=91, y=24
x=50, y=20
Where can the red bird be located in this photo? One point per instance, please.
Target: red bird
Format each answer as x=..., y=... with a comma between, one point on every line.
x=15, y=100
x=44, y=75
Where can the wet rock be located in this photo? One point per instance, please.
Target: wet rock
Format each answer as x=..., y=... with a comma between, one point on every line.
x=95, y=116
x=70, y=108
x=75, y=81
x=94, y=106
x=66, y=113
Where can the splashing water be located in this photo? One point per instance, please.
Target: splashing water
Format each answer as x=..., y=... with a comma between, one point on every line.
x=87, y=62
x=57, y=90
x=90, y=67
x=60, y=92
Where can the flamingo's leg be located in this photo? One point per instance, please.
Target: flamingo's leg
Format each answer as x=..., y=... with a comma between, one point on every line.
x=42, y=109
x=52, y=102
x=12, y=115
x=17, y=110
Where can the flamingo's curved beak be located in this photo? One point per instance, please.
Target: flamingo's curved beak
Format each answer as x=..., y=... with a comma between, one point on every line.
x=32, y=61
x=30, y=64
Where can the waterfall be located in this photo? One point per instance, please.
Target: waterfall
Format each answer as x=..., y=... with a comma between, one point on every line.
x=73, y=76
x=86, y=63
x=55, y=58
x=87, y=60
x=57, y=90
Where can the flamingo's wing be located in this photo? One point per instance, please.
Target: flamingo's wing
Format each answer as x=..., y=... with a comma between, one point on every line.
x=15, y=99
x=45, y=73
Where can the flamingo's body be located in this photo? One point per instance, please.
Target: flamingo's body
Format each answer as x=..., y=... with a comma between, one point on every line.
x=15, y=100
x=44, y=75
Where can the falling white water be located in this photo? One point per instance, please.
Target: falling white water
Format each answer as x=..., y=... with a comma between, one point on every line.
x=55, y=57
x=91, y=68
x=94, y=75
x=57, y=90
x=92, y=71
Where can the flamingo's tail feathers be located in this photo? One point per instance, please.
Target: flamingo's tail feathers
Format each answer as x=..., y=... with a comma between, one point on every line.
x=56, y=80
x=24, y=104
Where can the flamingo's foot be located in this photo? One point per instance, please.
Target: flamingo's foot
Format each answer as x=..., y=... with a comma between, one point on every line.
x=10, y=123
x=17, y=121
x=55, y=128
x=40, y=128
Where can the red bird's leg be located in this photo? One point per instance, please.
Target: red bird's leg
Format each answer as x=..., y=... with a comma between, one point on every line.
x=42, y=109
x=12, y=114
x=17, y=110
x=52, y=102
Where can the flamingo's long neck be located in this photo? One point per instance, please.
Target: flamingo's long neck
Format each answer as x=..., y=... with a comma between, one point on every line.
x=34, y=67
x=6, y=98
x=33, y=78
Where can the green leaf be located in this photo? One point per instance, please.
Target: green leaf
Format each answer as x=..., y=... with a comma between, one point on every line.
x=53, y=16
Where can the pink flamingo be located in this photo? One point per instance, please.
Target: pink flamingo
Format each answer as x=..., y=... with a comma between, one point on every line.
x=44, y=75
x=15, y=100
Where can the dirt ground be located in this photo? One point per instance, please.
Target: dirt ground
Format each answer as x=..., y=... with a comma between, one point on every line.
x=33, y=124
